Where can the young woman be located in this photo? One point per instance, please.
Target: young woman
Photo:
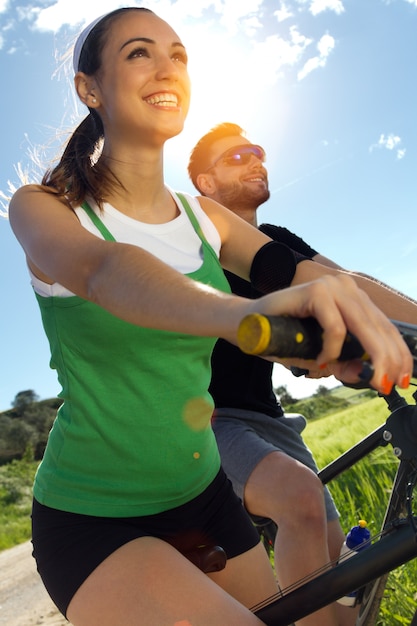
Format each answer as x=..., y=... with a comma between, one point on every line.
x=132, y=295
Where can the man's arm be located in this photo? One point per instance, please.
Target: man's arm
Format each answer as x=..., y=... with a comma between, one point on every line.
x=328, y=263
x=319, y=258
x=385, y=286
x=393, y=303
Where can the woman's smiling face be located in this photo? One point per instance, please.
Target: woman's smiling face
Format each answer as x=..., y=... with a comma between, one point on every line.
x=143, y=83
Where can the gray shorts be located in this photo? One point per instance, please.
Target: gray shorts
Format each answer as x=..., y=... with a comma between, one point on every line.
x=239, y=431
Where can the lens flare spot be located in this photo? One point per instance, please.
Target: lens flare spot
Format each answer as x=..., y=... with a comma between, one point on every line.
x=197, y=414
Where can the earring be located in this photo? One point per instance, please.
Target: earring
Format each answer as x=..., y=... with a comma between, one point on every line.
x=94, y=100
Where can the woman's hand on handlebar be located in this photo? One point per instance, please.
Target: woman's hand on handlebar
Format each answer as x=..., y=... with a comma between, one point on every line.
x=339, y=305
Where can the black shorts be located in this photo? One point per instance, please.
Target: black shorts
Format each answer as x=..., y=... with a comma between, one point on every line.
x=68, y=546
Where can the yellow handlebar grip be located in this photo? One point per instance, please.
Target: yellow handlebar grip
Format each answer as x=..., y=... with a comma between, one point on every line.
x=254, y=334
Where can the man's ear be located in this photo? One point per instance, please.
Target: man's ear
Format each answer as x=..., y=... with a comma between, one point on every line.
x=206, y=184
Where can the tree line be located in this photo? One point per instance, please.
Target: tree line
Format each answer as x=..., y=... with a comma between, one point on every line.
x=322, y=402
x=24, y=428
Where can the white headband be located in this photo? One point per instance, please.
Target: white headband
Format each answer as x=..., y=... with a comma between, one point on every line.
x=81, y=41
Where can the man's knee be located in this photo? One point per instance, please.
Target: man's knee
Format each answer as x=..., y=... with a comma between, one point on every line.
x=283, y=489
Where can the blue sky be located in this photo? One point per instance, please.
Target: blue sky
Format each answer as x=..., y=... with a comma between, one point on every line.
x=328, y=87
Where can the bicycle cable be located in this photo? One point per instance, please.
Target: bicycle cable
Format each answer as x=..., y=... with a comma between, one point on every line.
x=299, y=583
x=321, y=570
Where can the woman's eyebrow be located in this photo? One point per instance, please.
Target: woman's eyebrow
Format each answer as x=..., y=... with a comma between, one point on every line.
x=147, y=40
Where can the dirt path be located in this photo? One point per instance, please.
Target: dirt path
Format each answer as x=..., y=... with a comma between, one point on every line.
x=23, y=599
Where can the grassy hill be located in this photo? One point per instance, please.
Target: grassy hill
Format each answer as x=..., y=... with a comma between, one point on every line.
x=16, y=480
x=354, y=396
x=328, y=401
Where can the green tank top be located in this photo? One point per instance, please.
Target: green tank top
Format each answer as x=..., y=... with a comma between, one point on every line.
x=133, y=435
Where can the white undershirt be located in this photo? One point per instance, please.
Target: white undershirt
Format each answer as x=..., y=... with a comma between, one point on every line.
x=175, y=243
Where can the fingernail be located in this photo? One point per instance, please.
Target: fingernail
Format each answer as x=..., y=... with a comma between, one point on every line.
x=386, y=385
x=405, y=381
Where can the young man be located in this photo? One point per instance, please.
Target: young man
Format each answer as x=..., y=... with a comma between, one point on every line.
x=262, y=449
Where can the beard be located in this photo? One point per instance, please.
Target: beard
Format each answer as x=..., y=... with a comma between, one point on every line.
x=241, y=196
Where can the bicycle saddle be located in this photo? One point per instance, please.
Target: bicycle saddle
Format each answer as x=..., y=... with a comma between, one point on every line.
x=208, y=558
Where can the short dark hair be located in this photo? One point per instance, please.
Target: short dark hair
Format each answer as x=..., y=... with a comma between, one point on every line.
x=199, y=162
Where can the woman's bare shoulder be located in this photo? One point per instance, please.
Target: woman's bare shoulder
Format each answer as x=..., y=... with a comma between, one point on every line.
x=33, y=189
x=32, y=195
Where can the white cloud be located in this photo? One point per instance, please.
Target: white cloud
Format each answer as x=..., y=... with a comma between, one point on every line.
x=252, y=25
x=74, y=12
x=319, y=6
x=315, y=7
x=4, y=5
x=272, y=55
x=389, y=142
x=325, y=46
x=183, y=7
x=283, y=13
x=218, y=33
x=71, y=12
x=234, y=14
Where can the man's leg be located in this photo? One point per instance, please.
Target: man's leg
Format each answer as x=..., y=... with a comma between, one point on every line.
x=290, y=494
x=275, y=475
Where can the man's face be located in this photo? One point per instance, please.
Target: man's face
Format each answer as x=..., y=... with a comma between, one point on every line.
x=244, y=184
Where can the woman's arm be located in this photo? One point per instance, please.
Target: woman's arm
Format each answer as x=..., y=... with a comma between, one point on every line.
x=137, y=287
x=124, y=279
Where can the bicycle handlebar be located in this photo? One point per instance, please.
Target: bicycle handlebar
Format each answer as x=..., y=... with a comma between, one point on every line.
x=290, y=337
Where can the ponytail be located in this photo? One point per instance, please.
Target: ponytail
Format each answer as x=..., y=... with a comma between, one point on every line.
x=80, y=172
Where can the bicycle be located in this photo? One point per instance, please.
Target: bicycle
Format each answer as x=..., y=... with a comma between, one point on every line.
x=396, y=543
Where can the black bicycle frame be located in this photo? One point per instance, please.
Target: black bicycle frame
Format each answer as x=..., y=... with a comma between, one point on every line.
x=391, y=551
x=398, y=542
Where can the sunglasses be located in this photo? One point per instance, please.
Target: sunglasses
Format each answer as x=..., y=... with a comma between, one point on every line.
x=240, y=155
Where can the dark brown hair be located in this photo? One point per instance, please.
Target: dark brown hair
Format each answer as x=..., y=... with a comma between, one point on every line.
x=79, y=172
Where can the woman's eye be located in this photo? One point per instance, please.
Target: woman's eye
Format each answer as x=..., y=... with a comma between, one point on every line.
x=138, y=52
x=181, y=57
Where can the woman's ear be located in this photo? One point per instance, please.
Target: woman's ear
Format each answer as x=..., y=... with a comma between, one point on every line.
x=86, y=90
x=206, y=184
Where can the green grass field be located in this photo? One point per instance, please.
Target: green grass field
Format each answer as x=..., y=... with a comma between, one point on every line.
x=361, y=493
x=16, y=480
